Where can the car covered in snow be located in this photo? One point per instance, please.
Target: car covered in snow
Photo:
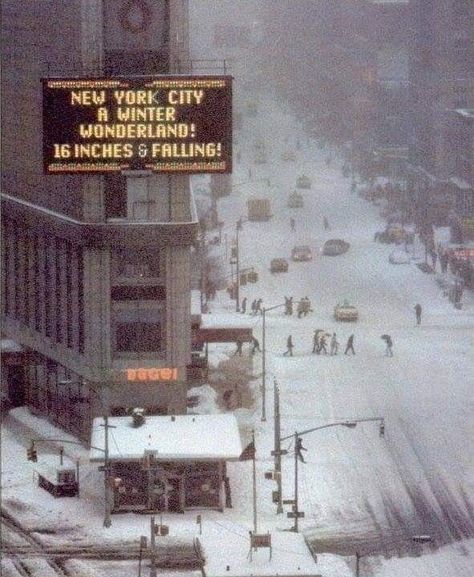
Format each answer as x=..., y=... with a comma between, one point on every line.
x=399, y=257
x=288, y=155
x=303, y=181
x=395, y=232
x=335, y=247
x=295, y=200
x=279, y=265
x=301, y=253
x=345, y=312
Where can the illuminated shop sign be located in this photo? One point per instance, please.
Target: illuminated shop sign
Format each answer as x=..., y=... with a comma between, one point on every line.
x=154, y=374
x=165, y=124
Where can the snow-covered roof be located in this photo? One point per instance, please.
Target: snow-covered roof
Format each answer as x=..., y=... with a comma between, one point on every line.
x=226, y=321
x=9, y=346
x=460, y=183
x=182, y=437
x=466, y=112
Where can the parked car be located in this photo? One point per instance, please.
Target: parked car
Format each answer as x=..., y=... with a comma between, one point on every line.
x=345, y=312
x=295, y=200
x=395, y=232
x=301, y=253
x=279, y=265
x=399, y=257
x=335, y=247
x=288, y=155
x=303, y=181
x=258, y=209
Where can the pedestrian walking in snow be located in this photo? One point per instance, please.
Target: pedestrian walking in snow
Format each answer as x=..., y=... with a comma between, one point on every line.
x=300, y=308
x=288, y=306
x=238, y=351
x=255, y=346
x=316, y=341
x=258, y=307
x=292, y=224
x=254, y=307
x=350, y=345
x=389, y=343
x=417, y=308
x=243, y=308
x=306, y=306
x=325, y=223
x=289, y=347
x=322, y=345
x=334, y=345
x=298, y=448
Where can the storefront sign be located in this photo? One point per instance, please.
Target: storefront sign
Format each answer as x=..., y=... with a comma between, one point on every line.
x=153, y=374
x=167, y=124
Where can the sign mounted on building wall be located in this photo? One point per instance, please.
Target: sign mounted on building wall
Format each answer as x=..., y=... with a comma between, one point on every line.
x=164, y=124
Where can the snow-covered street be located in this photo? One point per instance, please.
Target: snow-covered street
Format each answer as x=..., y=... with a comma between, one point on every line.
x=360, y=491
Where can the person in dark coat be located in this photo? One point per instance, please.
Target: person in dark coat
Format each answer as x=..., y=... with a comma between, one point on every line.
x=298, y=448
x=300, y=308
x=243, y=308
x=255, y=346
x=238, y=351
x=388, y=350
x=326, y=223
x=322, y=345
x=292, y=224
x=290, y=346
x=417, y=308
x=315, y=341
x=258, y=307
x=334, y=345
x=350, y=345
x=254, y=307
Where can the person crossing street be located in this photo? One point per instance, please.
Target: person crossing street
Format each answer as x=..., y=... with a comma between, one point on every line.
x=289, y=347
x=350, y=345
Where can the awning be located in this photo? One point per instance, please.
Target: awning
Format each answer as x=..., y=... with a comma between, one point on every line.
x=174, y=438
x=223, y=328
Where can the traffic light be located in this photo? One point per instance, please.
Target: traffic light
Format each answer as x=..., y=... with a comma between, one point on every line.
x=31, y=453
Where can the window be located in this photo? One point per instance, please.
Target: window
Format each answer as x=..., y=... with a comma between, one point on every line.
x=138, y=264
x=115, y=195
x=138, y=328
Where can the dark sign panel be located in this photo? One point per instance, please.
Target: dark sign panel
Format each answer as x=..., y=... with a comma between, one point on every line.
x=166, y=124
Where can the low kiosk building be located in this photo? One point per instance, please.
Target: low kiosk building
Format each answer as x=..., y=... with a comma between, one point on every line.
x=168, y=463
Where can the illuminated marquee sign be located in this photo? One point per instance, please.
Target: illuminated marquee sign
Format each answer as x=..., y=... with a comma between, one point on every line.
x=165, y=124
x=154, y=374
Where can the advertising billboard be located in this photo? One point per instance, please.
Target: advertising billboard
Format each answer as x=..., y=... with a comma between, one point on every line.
x=163, y=124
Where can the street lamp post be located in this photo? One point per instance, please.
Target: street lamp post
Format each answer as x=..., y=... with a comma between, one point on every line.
x=350, y=424
x=105, y=408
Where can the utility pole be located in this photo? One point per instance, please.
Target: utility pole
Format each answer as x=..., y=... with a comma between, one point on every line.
x=277, y=451
x=238, y=226
x=264, y=370
x=295, y=528
x=107, y=519
x=254, y=485
x=152, y=543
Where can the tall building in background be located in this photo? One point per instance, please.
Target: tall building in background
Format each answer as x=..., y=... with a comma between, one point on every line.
x=442, y=103
x=96, y=269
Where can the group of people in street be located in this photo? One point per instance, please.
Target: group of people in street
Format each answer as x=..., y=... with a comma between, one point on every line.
x=302, y=308
x=255, y=307
x=320, y=344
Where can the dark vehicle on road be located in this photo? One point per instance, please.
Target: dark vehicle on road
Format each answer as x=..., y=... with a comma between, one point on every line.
x=335, y=247
x=303, y=181
x=279, y=265
x=295, y=200
x=301, y=253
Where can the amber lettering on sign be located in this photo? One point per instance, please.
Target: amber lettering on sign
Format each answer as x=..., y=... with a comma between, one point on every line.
x=153, y=374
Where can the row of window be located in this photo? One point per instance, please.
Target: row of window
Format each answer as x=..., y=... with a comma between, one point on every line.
x=44, y=276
